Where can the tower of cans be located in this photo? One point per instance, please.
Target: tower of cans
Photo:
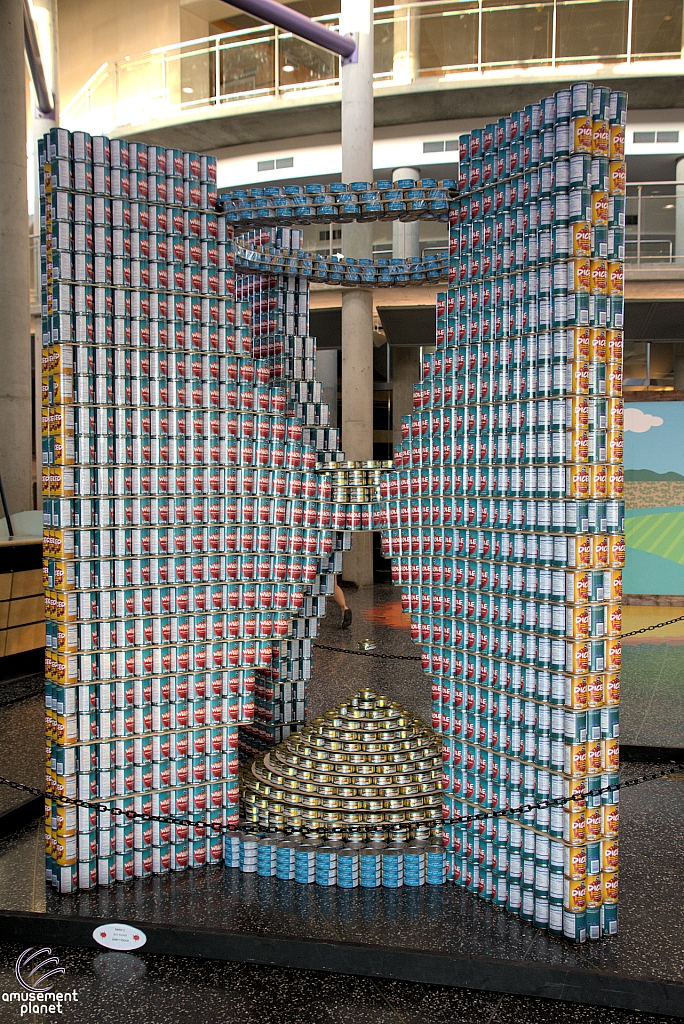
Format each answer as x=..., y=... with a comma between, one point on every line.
x=184, y=529
x=506, y=514
x=296, y=509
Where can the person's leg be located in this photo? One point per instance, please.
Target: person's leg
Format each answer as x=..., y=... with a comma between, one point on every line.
x=338, y=597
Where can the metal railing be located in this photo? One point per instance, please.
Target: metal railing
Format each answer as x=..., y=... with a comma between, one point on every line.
x=654, y=224
x=423, y=39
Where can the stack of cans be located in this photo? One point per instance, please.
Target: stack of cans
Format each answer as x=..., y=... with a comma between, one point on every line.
x=266, y=856
x=348, y=868
x=326, y=864
x=506, y=511
x=305, y=863
x=392, y=867
x=142, y=701
x=285, y=859
x=370, y=867
x=249, y=853
x=366, y=762
x=414, y=865
x=185, y=526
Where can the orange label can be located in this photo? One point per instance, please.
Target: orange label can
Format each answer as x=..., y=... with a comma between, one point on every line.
x=597, y=344
x=599, y=277
x=580, y=238
x=600, y=131
x=579, y=275
x=616, y=413
x=576, y=692
x=616, y=278
x=617, y=142
x=609, y=881
x=611, y=755
x=617, y=178
x=613, y=688
x=598, y=481
x=576, y=762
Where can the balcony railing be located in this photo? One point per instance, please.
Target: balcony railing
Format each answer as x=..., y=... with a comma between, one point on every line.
x=438, y=39
x=654, y=224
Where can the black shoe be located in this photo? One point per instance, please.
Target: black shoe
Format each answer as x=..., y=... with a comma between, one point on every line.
x=347, y=618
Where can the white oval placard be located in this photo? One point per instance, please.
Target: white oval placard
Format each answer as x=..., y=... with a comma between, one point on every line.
x=119, y=936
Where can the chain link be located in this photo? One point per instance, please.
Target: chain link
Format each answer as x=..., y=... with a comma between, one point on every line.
x=216, y=827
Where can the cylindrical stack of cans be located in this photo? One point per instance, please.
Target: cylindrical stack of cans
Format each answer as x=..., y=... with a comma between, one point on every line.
x=506, y=516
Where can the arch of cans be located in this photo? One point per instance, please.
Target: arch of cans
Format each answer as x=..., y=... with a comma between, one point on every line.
x=190, y=540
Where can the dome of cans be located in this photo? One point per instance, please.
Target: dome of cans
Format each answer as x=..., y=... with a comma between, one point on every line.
x=365, y=762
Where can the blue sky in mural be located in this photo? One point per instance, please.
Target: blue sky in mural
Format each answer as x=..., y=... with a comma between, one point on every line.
x=654, y=436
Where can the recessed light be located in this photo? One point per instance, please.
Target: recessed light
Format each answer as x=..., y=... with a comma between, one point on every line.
x=287, y=67
x=670, y=206
x=187, y=89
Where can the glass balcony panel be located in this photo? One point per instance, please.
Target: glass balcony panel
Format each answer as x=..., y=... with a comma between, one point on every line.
x=448, y=37
x=383, y=47
x=247, y=65
x=656, y=29
x=141, y=90
x=522, y=34
x=594, y=30
x=188, y=76
x=310, y=65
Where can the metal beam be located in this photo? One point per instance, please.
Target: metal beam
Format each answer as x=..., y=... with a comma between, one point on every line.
x=43, y=95
x=292, y=21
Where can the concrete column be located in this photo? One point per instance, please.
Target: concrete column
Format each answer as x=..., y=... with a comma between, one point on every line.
x=405, y=236
x=326, y=371
x=679, y=213
x=15, y=359
x=406, y=63
x=357, y=241
x=405, y=373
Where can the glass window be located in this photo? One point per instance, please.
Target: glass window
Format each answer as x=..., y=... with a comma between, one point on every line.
x=448, y=37
x=516, y=35
x=635, y=364
x=657, y=28
x=594, y=29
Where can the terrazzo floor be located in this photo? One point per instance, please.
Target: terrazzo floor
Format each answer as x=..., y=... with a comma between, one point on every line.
x=442, y=919
x=125, y=988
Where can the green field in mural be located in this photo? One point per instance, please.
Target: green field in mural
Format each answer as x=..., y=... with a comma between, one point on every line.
x=654, y=497
x=658, y=532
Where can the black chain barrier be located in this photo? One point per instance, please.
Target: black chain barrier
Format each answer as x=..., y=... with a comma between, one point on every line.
x=131, y=815
x=412, y=657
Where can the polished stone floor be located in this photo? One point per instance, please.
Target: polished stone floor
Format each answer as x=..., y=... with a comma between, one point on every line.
x=442, y=920
x=134, y=988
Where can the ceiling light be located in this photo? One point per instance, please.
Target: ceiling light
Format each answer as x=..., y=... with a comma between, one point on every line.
x=670, y=206
x=287, y=67
x=187, y=89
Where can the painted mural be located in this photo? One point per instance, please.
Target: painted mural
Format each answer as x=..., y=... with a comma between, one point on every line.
x=654, y=497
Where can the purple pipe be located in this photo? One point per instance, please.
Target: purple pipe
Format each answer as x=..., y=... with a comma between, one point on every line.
x=292, y=21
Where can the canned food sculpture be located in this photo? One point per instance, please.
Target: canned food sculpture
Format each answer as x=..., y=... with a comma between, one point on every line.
x=366, y=765
x=190, y=542
x=506, y=512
